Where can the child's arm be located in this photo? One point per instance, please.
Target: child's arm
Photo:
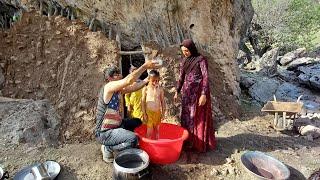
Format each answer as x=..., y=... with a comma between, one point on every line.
x=143, y=105
x=163, y=104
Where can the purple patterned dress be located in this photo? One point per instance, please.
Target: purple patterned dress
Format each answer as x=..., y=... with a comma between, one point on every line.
x=198, y=120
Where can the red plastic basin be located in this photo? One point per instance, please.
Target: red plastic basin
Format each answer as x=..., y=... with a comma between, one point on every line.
x=167, y=148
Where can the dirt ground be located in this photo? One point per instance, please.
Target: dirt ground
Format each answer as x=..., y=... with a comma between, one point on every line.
x=252, y=132
x=62, y=61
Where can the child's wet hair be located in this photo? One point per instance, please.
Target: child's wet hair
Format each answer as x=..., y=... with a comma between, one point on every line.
x=154, y=73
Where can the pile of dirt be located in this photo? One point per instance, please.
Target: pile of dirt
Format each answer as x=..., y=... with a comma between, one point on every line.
x=59, y=60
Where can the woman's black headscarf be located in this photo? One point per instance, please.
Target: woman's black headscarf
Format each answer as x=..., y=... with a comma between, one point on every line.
x=191, y=61
x=189, y=44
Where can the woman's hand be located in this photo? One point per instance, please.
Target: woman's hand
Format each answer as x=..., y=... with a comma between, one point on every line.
x=202, y=100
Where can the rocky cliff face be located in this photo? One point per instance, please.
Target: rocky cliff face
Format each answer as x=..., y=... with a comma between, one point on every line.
x=215, y=25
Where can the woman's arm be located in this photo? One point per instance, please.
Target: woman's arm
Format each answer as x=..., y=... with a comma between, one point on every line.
x=205, y=82
x=205, y=79
x=115, y=86
x=135, y=86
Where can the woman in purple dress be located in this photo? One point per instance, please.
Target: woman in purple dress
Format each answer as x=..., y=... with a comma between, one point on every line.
x=196, y=112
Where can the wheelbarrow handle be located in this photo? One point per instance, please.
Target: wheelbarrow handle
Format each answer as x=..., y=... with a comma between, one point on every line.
x=298, y=100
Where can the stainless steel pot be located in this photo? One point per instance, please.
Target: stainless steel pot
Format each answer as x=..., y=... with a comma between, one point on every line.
x=131, y=164
x=3, y=174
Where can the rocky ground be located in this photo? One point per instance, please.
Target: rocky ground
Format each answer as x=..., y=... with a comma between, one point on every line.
x=251, y=132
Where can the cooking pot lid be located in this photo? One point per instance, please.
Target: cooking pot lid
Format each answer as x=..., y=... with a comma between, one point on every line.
x=52, y=167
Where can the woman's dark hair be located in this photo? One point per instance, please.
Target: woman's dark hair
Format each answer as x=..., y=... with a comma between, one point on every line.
x=110, y=71
x=154, y=73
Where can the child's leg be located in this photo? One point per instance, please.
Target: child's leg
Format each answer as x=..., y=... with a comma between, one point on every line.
x=149, y=132
x=157, y=131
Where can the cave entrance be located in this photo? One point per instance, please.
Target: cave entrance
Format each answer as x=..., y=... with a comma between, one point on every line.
x=131, y=58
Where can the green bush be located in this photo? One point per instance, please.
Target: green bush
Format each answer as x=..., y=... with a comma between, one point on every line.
x=289, y=22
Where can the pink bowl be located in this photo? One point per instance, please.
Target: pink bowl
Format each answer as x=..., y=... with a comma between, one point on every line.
x=167, y=148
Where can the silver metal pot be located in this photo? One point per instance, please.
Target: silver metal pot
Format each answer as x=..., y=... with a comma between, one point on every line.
x=131, y=164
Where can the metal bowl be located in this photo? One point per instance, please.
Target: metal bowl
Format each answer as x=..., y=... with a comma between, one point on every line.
x=263, y=166
x=53, y=168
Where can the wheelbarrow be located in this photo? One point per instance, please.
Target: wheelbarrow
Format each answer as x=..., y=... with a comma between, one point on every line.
x=284, y=112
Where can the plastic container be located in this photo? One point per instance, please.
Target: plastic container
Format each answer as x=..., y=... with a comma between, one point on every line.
x=167, y=148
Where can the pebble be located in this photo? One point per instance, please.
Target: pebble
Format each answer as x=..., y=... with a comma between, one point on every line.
x=38, y=63
x=214, y=172
x=62, y=104
x=79, y=114
x=83, y=103
x=73, y=109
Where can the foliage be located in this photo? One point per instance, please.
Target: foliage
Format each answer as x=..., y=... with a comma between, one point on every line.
x=289, y=22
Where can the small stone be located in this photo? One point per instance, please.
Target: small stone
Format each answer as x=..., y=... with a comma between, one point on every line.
x=39, y=63
x=232, y=170
x=14, y=58
x=87, y=118
x=214, y=172
x=58, y=32
x=229, y=160
x=73, y=109
x=225, y=172
x=62, y=104
x=80, y=113
x=21, y=47
x=67, y=135
x=83, y=103
x=47, y=51
x=17, y=82
x=236, y=151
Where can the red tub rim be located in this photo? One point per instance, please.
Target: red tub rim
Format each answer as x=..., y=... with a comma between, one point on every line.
x=166, y=141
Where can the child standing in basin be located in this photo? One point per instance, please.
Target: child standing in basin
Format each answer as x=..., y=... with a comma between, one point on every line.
x=152, y=104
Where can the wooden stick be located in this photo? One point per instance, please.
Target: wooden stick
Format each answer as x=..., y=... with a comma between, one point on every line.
x=130, y=52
